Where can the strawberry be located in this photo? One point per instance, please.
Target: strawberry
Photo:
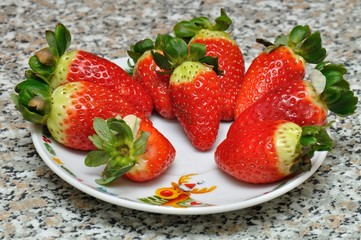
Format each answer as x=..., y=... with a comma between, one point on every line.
x=280, y=63
x=221, y=45
x=69, y=110
x=58, y=66
x=150, y=75
x=195, y=94
x=300, y=102
x=129, y=147
x=194, y=90
x=271, y=150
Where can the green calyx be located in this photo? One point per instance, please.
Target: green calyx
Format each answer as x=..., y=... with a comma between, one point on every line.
x=118, y=146
x=188, y=29
x=33, y=99
x=313, y=138
x=176, y=51
x=337, y=94
x=44, y=61
x=138, y=49
x=302, y=41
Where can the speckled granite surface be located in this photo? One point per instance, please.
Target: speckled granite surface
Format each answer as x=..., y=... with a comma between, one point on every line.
x=36, y=204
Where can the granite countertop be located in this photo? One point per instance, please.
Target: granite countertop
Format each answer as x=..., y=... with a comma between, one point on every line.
x=37, y=204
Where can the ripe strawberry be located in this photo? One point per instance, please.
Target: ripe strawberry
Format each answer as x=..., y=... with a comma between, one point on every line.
x=301, y=103
x=150, y=75
x=271, y=150
x=57, y=66
x=195, y=94
x=194, y=90
x=280, y=63
x=129, y=147
x=221, y=45
x=69, y=110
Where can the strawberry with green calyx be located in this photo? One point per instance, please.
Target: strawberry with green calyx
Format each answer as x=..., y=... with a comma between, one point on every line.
x=69, y=110
x=305, y=102
x=219, y=44
x=271, y=150
x=129, y=147
x=280, y=63
x=150, y=75
x=194, y=90
x=57, y=66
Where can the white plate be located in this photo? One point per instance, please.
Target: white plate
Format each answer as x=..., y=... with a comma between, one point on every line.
x=224, y=193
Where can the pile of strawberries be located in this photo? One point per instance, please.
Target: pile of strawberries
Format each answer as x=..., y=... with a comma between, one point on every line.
x=197, y=76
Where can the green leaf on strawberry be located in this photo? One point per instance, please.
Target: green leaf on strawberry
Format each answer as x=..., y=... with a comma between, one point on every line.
x=222, y=22
x=162, y=62
x=43, y=70
x=97, y=158
x=315, y=138
x=188, y=29
x=44, y=62
x=177, y=51
x=140, y=47
x=118, y=147
x=196, y=51
x=337, y=94
x=33, y=99
x=103, y=131
x=302, y=41
x=62, y=38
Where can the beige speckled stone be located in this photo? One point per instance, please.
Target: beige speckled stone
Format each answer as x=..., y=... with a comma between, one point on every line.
x=36, y=204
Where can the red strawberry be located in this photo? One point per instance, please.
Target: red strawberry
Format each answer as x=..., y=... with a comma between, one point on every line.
x=299, y=102
x=280, y=63
x=194, y=91
x=269, y=151
x=56, y=66
x=129, y=147
x=69, y=110
x=221, y=45
x=195, y=94
x=151, y=77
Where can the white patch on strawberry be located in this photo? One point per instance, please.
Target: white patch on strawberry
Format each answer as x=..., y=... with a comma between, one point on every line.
x=287, y=145
x=318, y=80
x=134, y=124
